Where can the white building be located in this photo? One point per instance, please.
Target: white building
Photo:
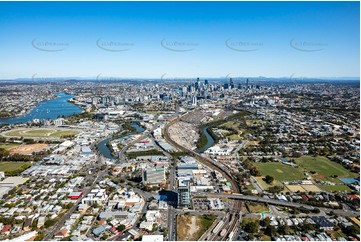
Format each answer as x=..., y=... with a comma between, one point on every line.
x=154, y=175
x=95, y=195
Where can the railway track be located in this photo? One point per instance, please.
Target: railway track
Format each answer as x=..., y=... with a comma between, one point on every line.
x=206, y=161
x=229, y=227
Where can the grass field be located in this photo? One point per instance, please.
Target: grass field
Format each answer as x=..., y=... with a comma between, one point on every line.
x=41, y=133
x=266, y=238
x=230, y=124
x=251, y=122
x=335, y=188
x=265, y=186
x=13, y=168
x=8, y=146
x=257, y=208
x=279, y=171
x=323, y=167
x=236, y=126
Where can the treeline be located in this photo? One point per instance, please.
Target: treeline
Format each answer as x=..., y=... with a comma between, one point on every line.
x=134, y=155
x=76, y=117
x=19, y=157
x=203, y=137
x=5, y=156
x=252, y=168
x=127, y=126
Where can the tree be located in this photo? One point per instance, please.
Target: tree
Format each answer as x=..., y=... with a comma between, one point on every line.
x=308, y=227
x=284, y=229
x=251, y=227
x=270, y=231
x=266, y=222
x=49, y=223
x=95, y=204
x=275, y=189
x=40, y=237
x=269, y=179
x=3, y=153
x=105, y=236
x=316, y=210
x=121, y=227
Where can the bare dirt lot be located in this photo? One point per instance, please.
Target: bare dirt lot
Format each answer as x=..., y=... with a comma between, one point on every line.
x=27, y=149
x=184, y=134
x=187, y=227
x=252, y=143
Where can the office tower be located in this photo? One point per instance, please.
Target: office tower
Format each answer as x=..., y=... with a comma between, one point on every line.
x=194, y=100
x=231, y=83
x=184, y=90
x=197, y=85
x=184, y=194
x=247, y=83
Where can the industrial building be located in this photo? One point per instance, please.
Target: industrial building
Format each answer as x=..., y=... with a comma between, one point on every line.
x=153, y=175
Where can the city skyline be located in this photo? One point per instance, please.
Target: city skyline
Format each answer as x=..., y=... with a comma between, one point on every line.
x=212, y=40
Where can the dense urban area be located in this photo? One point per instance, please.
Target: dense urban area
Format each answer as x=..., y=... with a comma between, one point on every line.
x=180, y=160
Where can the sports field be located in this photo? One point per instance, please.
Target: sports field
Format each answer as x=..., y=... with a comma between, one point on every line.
x=279, y=171
x=336, y=188
x=295, y=188
x=13, y=168
x=323, y=167
x=41, y=133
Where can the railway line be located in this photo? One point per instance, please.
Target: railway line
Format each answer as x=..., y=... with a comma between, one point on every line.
x=228, y=227
x=206, y=161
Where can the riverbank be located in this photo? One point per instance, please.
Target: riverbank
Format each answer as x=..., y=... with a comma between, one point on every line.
x=104, y=146
x=208, y=138
x=47, y=109
x=29, y=109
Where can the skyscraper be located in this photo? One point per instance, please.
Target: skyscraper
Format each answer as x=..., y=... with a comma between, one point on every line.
x=197, y=84
x=194, y=100
x=231, y=83
x=184, y=196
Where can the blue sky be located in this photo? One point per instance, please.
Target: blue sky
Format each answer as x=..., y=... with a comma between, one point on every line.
x=179, y=39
